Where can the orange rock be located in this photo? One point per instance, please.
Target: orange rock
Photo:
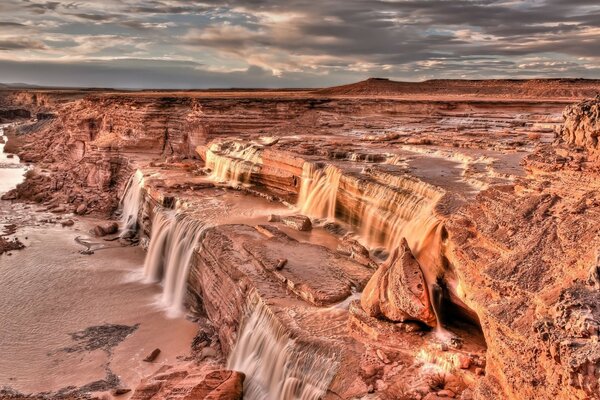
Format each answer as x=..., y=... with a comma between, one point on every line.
x=398, y=291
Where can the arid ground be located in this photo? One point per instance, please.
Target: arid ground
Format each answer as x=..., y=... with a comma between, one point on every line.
x=379, y=240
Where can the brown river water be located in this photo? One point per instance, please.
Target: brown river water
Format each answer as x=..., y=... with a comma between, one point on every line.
x=68, y=319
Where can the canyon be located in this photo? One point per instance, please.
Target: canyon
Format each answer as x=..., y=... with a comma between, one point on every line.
x=380, y=240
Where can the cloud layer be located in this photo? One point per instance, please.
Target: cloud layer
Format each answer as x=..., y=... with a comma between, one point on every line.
x=296, y=43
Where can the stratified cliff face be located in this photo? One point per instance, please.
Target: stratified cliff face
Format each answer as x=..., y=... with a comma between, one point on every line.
x=528, y=257
x=582, y=126
x=482, y=220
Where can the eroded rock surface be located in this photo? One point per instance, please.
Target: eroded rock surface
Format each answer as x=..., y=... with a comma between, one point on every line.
x=398, y=291
x=582, y=126
x=463, y=196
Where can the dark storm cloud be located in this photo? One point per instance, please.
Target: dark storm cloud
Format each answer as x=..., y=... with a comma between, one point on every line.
x=322, y=42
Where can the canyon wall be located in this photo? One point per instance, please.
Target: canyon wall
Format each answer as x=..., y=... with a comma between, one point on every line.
x=582, y=127
x=469, y=196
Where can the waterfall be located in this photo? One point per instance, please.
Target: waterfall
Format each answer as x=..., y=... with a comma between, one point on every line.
x=318, y=190
x=174, y=239
x=277, y=366
x=131, y=203
x=232, y=162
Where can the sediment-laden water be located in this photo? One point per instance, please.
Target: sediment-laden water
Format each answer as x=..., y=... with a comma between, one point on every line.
x=11, y=171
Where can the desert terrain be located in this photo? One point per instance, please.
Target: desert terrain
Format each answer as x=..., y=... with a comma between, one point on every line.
x=378, y=240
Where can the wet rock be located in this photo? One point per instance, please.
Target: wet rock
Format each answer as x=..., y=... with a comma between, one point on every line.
x=106, y=229
x=152, y=356
x=356, y=251
x=398, y=291
x=219, y=385
x=68, y=222
x=298, y=222
x=7, y=245
x=191, y=383
x=334, y=228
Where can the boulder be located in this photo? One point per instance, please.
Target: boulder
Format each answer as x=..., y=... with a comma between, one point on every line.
x=398, y=291
x=106, y=229
x=582, y=126
x=81, y=209
x=298, y=222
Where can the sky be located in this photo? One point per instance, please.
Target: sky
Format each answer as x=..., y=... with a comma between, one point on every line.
x=293, y=43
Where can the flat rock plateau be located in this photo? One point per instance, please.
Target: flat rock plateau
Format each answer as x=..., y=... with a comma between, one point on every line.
x=380, y=240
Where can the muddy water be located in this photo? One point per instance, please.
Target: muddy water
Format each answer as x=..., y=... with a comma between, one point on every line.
x=49, y=292
x=11, y=172
x=68, y=319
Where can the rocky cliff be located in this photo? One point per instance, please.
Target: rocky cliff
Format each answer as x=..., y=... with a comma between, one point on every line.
x=474, y=237
x=582, y=127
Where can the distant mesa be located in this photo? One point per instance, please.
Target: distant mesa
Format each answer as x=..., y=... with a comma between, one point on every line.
x=499, y=88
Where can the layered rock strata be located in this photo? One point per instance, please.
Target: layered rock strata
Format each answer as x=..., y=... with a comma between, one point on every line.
x=501, y=226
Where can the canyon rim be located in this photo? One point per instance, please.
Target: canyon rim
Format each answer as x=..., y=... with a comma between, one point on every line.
x=322, y=237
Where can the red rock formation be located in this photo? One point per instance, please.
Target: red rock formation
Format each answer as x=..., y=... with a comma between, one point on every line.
x=398, y=291
x=582, y=126
x=514, y=248
x=191, y=383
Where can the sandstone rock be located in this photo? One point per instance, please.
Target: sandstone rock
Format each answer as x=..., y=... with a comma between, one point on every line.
x=298, y=222
x=207, y=352
x=274, y=218
x=152, y=356
x=81, y=209
x=106, y=229
x=191, y=382
x=446, y=393
x=582, y=125
x=219, y=385
x=120, y=391
x=464, y=361
x=281, y=263
x=398, y=291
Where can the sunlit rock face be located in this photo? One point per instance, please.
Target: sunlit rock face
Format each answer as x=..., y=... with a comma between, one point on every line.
x=398, y=290
x=358, y=245
x=582, y=126
x=527, y=256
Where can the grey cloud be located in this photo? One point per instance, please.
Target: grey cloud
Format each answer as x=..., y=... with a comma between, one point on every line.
x=318, y=41
x=8, y=44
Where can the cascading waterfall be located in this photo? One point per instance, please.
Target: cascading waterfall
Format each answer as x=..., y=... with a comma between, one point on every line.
x=318, y=190
x=387, y=209
x=174, y=239
x=131, y=202
x=233, y=164
x=277, y=366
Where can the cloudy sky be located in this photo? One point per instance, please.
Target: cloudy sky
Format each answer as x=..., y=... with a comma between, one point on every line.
x=293, y=43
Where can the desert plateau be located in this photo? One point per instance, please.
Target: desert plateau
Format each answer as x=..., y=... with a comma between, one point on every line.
x=374, y=240
x=263, y=200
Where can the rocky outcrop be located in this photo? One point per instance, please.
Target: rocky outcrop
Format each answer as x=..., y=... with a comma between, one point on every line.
x=191, y=383
x=11, y=114
x=398, y=291
x=526, y=271
x=462, y=198
x=582, y=126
